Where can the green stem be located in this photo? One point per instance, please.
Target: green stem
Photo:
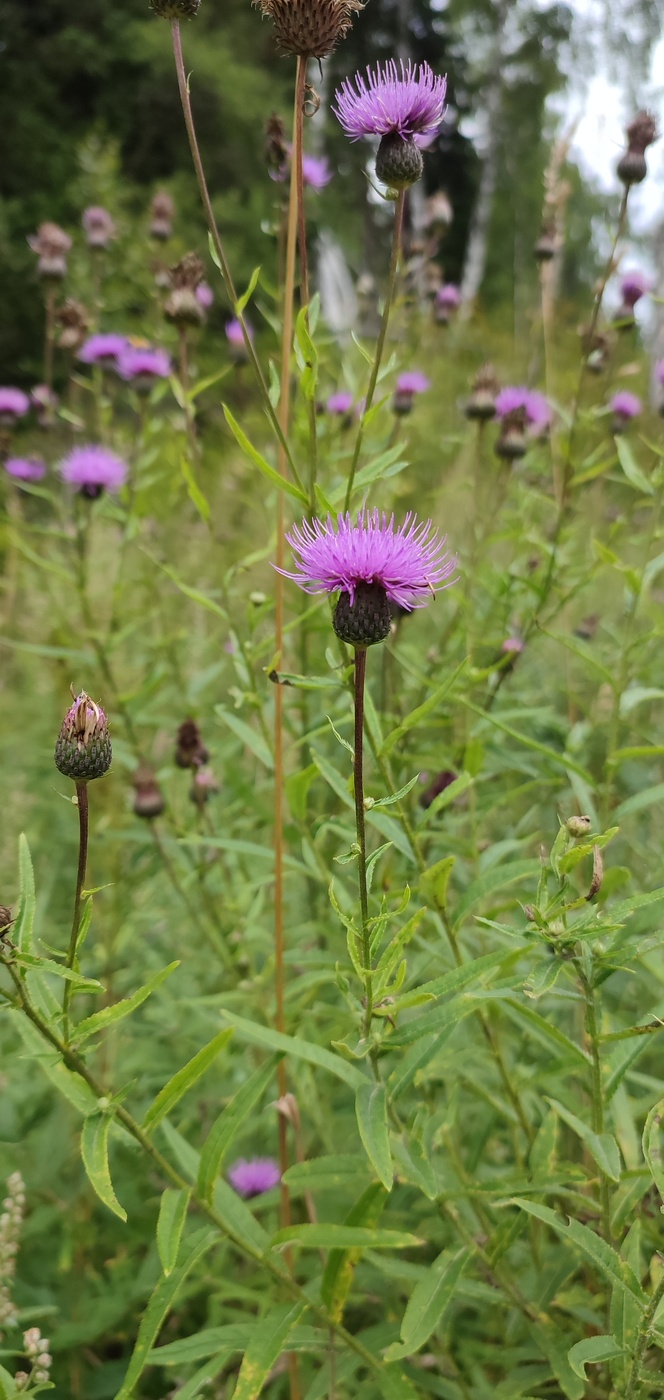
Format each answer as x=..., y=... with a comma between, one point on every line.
x=224, y=266
x=592, y=1032
x=380, y=343
x=360, y=828
x=642, y=1339
x=83, y=831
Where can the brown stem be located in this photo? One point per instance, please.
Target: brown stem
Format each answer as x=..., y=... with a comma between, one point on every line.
x=83, y=831
x=360, y=828
x=49, y=336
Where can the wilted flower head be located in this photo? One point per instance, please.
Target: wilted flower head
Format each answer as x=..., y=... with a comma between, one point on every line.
x=148, y=798
x=143, y=366
x=51, y=244
x=105, y=348
x=162, y=213
x=93, y=469
x=403, y=105
x=485, y=388
x=73, y=321
x=409, y=384
x=253, y=1177
x=205, y=295
x=309, y=28
x=13, y=404
x=25, y=468
x=633, y=286
x=535, y=407
x=190, y=751
x=183, y=306
x=98, y=226
x=640, y=133
x=340, y=403
x=371, y=564
x=625, y=406
x=83, y=750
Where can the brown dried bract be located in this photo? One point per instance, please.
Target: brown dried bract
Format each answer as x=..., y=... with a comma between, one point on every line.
x=309, y=28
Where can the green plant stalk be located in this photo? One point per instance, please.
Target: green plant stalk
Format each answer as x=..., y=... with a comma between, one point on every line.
x=642, y=1339
x=592, y=1032
x=224, y=266
x=380, y=343
x=361, y=832
x=73, y=1062
x=83, y=833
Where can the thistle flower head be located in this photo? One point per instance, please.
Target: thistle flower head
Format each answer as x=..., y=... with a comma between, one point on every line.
x=316, y=172
x=253, y=1177
x=204, y=786
x=485, y=388
x=105, y=348
x=143, y=365
x=25, y=468
x=633, y=286
x=93, y=469
x=413, y=381
x=448, y=296
x=98, y=226
x=340, y=403
x=183, y=306
x=640, y=133
x=83, y=749
x=51, y=244
x=162, y=213
x=73, y=322
x=148, y=797
x=309, y=28
x=190, y=751
x=13, y=404
x=626, y=405
x=404, y=101
x=371, y=564
x=533, y=404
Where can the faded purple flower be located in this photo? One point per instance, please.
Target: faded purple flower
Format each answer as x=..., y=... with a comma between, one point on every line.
x=448, y=296
x=103, y=349
x=253, y=1177
x=626, y=405
x=204, y=295
x=93, y=469
x=340, y=403
x=412, y=381
x=143, y=365
x=234, y=333
x=13, y=404
x=25, y=468
x=513, y=646
x=316, y=172
x=633, y=286
x=98, y=226
x=408, y=563
x=51, y=244
x=534, y=405
x=404, y=101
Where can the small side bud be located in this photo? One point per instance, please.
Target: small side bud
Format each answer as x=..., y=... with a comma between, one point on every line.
x=578, y=826
x=83, y=749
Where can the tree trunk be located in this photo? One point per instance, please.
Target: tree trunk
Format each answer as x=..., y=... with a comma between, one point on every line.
x=478, y=238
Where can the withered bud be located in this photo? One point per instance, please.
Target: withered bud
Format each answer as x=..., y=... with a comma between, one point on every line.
x=578, y=826
x=83, y=749
x=175, y=9
x=598, y=873
x=512, y=441
x=203, y=787
x=276, y=146
x=309, y=28
x=481, y=406
x=640, y=133
x=183, y=306
x=148, y=800
x=190, y=751
x=51, y=244
x=74, y=322
x=162, y=213
x=5, y=919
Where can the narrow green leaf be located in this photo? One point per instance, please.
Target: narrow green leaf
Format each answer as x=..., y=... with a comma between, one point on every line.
x=172, y=1215
x=228, y=1123
x=327, y=1173
x=196, y=496
x=202, y=1380
x=428, y=1302
x=250, y=737
x=342, y=1263
x=281, y=482
x=234, y=1336
x=94, y=1151
x=546, y=1031
x=592, y=1350
x=497, y=878
x=561, y=760
x=160, y=1304
x=421, y=712
x=344, y=1237
x=270, y=1335
x=234, y=1215
x=244, y=300
x=591, y=1246
x=652, y=1146
x=631, y=468
x=294, y=1045
x=184, y=1080
x=112, y=1014
x=371, y=1111
x=554, y=1343
x=601, y=1146
x=25, y=916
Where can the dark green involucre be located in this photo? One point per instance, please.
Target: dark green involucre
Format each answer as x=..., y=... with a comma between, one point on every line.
x=367, y=619
x=399, y=163
x=83, y=750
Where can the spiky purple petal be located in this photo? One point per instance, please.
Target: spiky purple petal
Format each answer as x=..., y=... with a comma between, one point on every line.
x=334, y=556
x=406, y=100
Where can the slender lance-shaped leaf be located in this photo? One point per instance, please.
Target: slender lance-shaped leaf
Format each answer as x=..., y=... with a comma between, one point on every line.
x=94, y=1151
x=427, y=1303
x=160, y=1304
x=25, y=918
x=591, y=1246
x=602, y=1146
x=229, y=1123
x=172, y=1215
x=652, y=1145
x=112, y=1014
x=270, y=1335
x=341, y=1263
x=294, y=1045
x=184, y=1079
x=281, y=482
x=344, y=1237
x=371, y=1110
x=592, y=1350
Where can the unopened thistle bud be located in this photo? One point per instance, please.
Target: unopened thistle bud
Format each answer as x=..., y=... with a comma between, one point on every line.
x=175, y=9
x=366, y=619
x=5, y=919
x=190, y=751
x=83, y=750
x=183, y=306
x=399, y=163
x=512, y=442
x=481, y=406
x=578, y=826
x=309, y=28
x=640, y=133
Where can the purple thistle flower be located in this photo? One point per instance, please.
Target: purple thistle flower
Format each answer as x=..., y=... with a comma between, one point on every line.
x=316, y=172
x=512, y=645
x=204, y=295
x=448, y=296
x=408, y=103
x=13, y=404
x=234, y=333
x=337, y=556
x=341, y=403
x=143, y=364
x=25, y=468
x=534, y=404
x=626, y=405
x=253, y=1177
x=412, y=381
x=633, y=286
x=93, y=469
x=102, y=349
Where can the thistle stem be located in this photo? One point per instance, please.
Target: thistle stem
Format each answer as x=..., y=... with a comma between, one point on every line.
x=224, y=266
x=49, y=337
x=380, y=343
x=360, y=828
x=643, y=1337
x=83, y=831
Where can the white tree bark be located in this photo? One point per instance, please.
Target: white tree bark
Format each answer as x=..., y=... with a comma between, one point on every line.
x=478, y=238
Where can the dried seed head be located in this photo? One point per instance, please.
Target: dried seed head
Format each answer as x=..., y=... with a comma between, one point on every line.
x=641, y=133
x=366, y=620
x=309, y=28
x=74, y=323
x=183, y=306
x=51, y=244
x=190, y=751
x=481, y=406
x=83, y=750
x=512, y=442
x=175, y=9
x=546, y=246
x=162, y=213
